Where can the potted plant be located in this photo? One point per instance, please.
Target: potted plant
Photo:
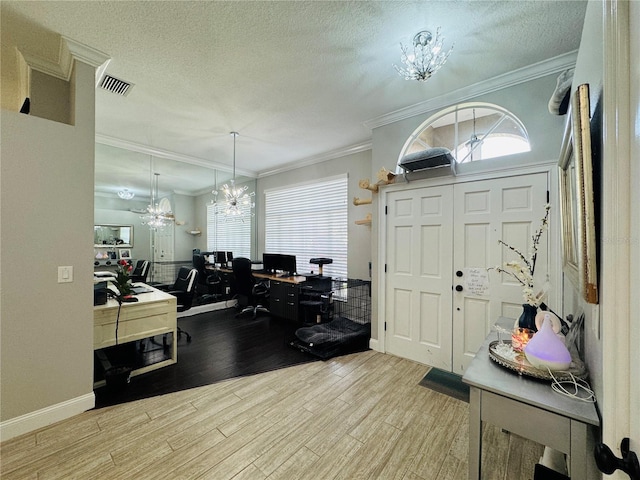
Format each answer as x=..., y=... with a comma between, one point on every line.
x=118, y=376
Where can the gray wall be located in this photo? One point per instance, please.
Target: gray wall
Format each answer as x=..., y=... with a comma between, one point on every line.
x=111, y=210
x=114, y=211
x=590, y=69
x=46, y=340
x=527, y=101
x=357, y=166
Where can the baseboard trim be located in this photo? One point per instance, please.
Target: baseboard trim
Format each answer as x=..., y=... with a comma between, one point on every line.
x=374, y=345
x=46, y=416
x=209, y=307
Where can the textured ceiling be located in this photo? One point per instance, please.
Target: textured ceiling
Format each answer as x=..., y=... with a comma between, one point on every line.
x=297, y=79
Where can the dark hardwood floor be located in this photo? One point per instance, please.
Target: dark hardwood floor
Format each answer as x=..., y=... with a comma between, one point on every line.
x=222, y=347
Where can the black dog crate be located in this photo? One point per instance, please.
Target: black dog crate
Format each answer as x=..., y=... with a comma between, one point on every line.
x=349, y=328
x=352, y=299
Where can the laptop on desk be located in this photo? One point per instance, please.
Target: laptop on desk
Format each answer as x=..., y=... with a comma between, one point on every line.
x=138, y=289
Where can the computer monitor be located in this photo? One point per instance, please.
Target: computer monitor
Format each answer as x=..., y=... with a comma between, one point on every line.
x=288, y=264
x=221, y=258
x=279, y=263
x=270, y=262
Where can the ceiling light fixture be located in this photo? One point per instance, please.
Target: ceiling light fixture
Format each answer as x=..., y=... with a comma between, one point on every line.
x=426, y=59
x=236, y=202
x=126, y=194
x=156, y=217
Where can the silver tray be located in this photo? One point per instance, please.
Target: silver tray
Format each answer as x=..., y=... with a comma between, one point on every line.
x=521, y=365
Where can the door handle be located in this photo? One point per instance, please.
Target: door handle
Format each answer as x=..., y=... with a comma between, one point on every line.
x=608, y=463
x=458, y=288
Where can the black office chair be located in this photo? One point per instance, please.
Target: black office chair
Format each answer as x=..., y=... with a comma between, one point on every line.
x=140, y=271
x=245, y=285
x=209, y=285
x=184, y=289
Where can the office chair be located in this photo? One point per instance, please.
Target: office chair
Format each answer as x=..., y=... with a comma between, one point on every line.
x=184, y=289
x=209, y=283
x=140, y=272
x=245, y=284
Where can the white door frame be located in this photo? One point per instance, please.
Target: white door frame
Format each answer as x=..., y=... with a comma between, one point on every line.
x=555, y=273
x=620, y=280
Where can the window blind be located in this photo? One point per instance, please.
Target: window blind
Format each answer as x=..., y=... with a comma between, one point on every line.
x=309, y=221
x=229, y=236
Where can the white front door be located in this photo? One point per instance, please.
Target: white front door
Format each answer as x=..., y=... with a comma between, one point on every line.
x=434, y=236
x=508, y=209
x=418, y=293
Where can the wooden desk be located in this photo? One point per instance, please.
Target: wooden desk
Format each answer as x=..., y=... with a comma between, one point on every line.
x=529, y=408
x=153, y=314
x=284, y=293
x=296, y=279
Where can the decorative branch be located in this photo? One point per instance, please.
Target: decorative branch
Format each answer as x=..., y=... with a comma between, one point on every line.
x=522, y=270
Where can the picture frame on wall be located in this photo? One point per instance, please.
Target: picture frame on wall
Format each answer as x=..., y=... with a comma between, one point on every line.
x=577, y=209
x=124, y=254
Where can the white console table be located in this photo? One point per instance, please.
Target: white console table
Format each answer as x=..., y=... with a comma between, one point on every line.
x=530, y=408
x=153, y=314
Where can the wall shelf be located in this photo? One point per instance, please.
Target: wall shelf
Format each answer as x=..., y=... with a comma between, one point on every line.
x=365, y=221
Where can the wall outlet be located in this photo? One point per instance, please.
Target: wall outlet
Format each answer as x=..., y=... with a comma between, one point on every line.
x=65, y=274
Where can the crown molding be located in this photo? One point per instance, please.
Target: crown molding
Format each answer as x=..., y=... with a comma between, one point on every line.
x=89, y=55
x=69, y=51
x=323, y=157
x=161, y=153
x=515, y=77
x=84, y=53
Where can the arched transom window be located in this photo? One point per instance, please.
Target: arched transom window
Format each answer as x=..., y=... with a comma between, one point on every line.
x=472, y=132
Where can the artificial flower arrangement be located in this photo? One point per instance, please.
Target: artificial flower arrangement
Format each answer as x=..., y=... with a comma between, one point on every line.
x=523, y=268
x=121, y=281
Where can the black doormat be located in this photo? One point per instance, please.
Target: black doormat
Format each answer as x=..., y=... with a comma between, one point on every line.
x=447, y=383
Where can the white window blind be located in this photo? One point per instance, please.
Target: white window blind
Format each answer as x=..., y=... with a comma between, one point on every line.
x=309, y=221
x=229, y=236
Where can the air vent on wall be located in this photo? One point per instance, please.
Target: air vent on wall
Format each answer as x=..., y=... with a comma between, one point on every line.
x=115, y=85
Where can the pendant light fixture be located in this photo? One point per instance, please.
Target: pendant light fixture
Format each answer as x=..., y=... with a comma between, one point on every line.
x=156, y=217
x=237, y=203
x=474, y=142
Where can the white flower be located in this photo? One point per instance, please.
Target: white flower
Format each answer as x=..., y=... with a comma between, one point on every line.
x=522, y=270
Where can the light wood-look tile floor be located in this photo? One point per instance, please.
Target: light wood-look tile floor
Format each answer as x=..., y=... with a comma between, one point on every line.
x=360, y=416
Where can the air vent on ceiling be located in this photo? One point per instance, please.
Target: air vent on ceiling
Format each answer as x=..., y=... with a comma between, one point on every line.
x=115, y=85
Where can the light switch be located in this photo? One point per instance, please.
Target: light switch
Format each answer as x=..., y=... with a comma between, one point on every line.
x=65, y=274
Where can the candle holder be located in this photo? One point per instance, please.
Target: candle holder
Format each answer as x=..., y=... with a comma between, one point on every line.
x=520, y=337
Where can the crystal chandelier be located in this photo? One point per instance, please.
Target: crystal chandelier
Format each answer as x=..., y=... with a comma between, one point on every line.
x=156, y=217
x=426, y=58
x=236, y=202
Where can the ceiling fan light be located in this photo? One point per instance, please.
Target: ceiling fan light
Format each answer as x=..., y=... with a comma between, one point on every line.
x=126, y=194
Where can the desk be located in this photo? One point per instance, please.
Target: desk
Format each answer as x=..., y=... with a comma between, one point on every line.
x=529, y=408
x=153, y=314
x=284, y=293
x=296, y=279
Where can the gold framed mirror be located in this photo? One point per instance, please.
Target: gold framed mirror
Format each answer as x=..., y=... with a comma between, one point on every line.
x=577, y=207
